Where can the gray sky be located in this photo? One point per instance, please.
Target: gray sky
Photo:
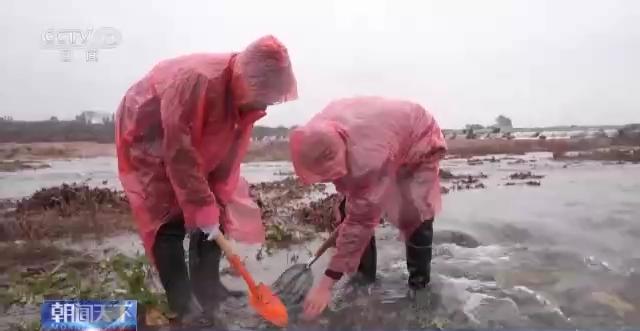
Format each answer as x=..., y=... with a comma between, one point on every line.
x=540, y=62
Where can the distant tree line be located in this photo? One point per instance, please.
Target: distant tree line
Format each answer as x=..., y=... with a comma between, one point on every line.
x=88, y=126
x=55, y=131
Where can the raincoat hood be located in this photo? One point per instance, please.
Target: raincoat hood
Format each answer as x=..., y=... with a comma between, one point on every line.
x=318, y=152
x=383, y=155
x=262, y=74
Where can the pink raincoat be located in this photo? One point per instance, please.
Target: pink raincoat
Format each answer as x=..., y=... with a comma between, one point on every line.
x=383, y=156
x=180, y=138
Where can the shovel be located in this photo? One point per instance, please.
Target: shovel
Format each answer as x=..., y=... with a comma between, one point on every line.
x=296, y=281
x=263, y=301
x=323, y=248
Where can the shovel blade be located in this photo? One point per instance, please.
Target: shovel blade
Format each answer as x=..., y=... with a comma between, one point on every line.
x=292, y=286
x=268, y=305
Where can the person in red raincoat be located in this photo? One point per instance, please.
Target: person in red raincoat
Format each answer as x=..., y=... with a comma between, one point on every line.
x=181, y=134
x=383, y=156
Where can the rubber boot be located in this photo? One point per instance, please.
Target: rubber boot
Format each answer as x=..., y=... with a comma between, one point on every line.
x=419, y=256
x=204, y=269
x=368, y=263
x=169, y=260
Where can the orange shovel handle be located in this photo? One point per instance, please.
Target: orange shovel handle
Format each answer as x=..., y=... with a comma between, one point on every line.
x=261, y=298
x=235, y=262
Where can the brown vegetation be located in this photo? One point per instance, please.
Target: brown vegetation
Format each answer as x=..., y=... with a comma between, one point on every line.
x=320, y=213
x=76, y=210
x=66, y=211
x=52, y=151
x=287, y=210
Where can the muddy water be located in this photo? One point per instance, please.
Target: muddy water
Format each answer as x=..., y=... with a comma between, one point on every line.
x=101, y=171
x=560, y=255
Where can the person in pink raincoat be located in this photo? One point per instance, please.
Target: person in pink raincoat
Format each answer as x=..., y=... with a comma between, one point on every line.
x=383, y=156
x=181, y=134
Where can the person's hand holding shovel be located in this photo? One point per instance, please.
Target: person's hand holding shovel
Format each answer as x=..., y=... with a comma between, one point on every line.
x=261, y=298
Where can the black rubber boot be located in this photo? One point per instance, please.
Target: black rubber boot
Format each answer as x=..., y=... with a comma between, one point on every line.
x=204, y=269
x=368, y=263
x=419, y=256
x=169, y=260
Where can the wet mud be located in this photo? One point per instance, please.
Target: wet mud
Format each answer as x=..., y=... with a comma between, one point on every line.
x=524, y=178
x=50, y=151
x=457, y=182
x=17, y=165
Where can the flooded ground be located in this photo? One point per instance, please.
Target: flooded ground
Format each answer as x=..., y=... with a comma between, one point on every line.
x=101, y=171
x=561, y=253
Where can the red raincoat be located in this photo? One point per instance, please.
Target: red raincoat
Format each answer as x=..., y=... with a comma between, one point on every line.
x=383, y=156
x=181, y=137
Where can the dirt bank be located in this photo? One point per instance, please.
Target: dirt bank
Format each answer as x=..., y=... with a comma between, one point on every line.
x=53, y=151
x=17, y=165
x=71, y=210
x=288, y=209
x=279, y=150
x=460, y=148
x=465, y=148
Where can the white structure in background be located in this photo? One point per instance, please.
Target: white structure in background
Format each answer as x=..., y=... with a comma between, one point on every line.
x=94, y=117
x=268, y=139
x=486, y=133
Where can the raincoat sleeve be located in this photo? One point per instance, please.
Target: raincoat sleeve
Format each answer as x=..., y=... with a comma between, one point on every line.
x=182, y=108
x=224, y=180
x=364, y=208
x=434, y=143
x=241, y=217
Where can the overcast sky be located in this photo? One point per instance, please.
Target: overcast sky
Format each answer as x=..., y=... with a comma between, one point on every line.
x=539, y=62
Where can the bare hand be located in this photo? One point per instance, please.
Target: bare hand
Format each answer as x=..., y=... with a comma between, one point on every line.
x=316, y=302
